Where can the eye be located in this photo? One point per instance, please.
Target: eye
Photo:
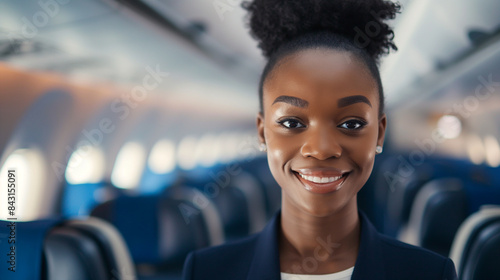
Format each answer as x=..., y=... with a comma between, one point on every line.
x=353, y=124
x=291, y=123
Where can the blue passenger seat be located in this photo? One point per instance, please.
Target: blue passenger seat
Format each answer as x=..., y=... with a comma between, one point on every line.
x=239, y=199
x=476, y=247
x=259, y=169
x=406, y=184
x=441, y=206
x=204, y=207
x=56, y=249
x=159, y=230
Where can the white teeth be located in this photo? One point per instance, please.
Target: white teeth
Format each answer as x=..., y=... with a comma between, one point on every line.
x=320, y=179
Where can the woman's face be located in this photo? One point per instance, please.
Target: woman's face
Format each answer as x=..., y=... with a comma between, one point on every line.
x=321, y=127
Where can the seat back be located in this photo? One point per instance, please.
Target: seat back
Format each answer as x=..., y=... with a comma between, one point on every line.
x=205, y=207
x=404, y=176
x=484, y=255
x=21, y=244
x=403, y=191
x=74, y=249
x=476, y=247
x=259, y=169
x=111, y=244
x=159, y=230
x=255, y=198
x=439, y=209
x=238, y=198
x=233, y=206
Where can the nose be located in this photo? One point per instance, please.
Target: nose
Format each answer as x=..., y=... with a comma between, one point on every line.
x=321, y=144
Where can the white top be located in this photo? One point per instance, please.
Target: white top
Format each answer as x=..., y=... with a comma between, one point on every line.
x=341, y=275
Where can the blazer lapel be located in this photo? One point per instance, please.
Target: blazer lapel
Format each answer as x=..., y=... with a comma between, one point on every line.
x=370, y=263
x=266, y=266
x=266, y=263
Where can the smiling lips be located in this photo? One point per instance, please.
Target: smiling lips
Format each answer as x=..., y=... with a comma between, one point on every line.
x=315, y=179
x=321, y=180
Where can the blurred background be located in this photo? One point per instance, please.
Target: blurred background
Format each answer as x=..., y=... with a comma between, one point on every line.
x=107, y=105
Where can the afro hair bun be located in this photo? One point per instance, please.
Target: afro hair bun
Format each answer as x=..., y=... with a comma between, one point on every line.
x=275, y=22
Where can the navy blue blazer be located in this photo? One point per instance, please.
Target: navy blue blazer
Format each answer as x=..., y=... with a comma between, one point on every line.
x=256, y=258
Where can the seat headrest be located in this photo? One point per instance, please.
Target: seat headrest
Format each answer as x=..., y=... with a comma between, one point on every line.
x=256, y=198
x=206, y=207
x=174, y=227
x=232, y=204
x=439, y=209
x=111, y=243
x=70, y=253
x=233, y=207
x=483, y=260
x=468, y=232
x=76, y=249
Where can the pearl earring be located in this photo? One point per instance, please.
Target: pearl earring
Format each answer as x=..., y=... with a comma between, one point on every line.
x=263, y=147
x=378, y=149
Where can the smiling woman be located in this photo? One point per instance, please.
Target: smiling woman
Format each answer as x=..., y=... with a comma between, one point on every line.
x=322, y=120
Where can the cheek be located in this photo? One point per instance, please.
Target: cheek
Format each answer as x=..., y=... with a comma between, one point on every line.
x=280, y=151
x=277, y=159
x=361, y=150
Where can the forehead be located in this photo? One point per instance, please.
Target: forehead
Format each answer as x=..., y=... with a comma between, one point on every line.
x=319, y=74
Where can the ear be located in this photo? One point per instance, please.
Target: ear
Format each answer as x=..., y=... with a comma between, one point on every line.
x=382, y=124
x=260, y=128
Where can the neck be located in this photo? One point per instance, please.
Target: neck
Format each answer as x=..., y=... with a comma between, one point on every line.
x=334, y=237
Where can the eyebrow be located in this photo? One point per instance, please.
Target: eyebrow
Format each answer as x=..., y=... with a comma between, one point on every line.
x=295, y=101
x=349, y=100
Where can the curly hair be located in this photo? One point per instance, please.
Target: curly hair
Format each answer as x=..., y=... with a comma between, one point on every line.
x=283, y=27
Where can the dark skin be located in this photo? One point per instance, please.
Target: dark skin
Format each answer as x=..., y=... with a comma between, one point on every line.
x=318, y=129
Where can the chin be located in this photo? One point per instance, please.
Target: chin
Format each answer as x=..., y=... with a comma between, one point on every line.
x=323, y=206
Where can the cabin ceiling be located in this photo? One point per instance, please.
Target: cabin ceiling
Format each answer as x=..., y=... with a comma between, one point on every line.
x=209, y=55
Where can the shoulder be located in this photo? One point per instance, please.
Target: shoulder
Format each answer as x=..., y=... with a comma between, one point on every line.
x=229, y=260
x=413, y=261
x=392, y=259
